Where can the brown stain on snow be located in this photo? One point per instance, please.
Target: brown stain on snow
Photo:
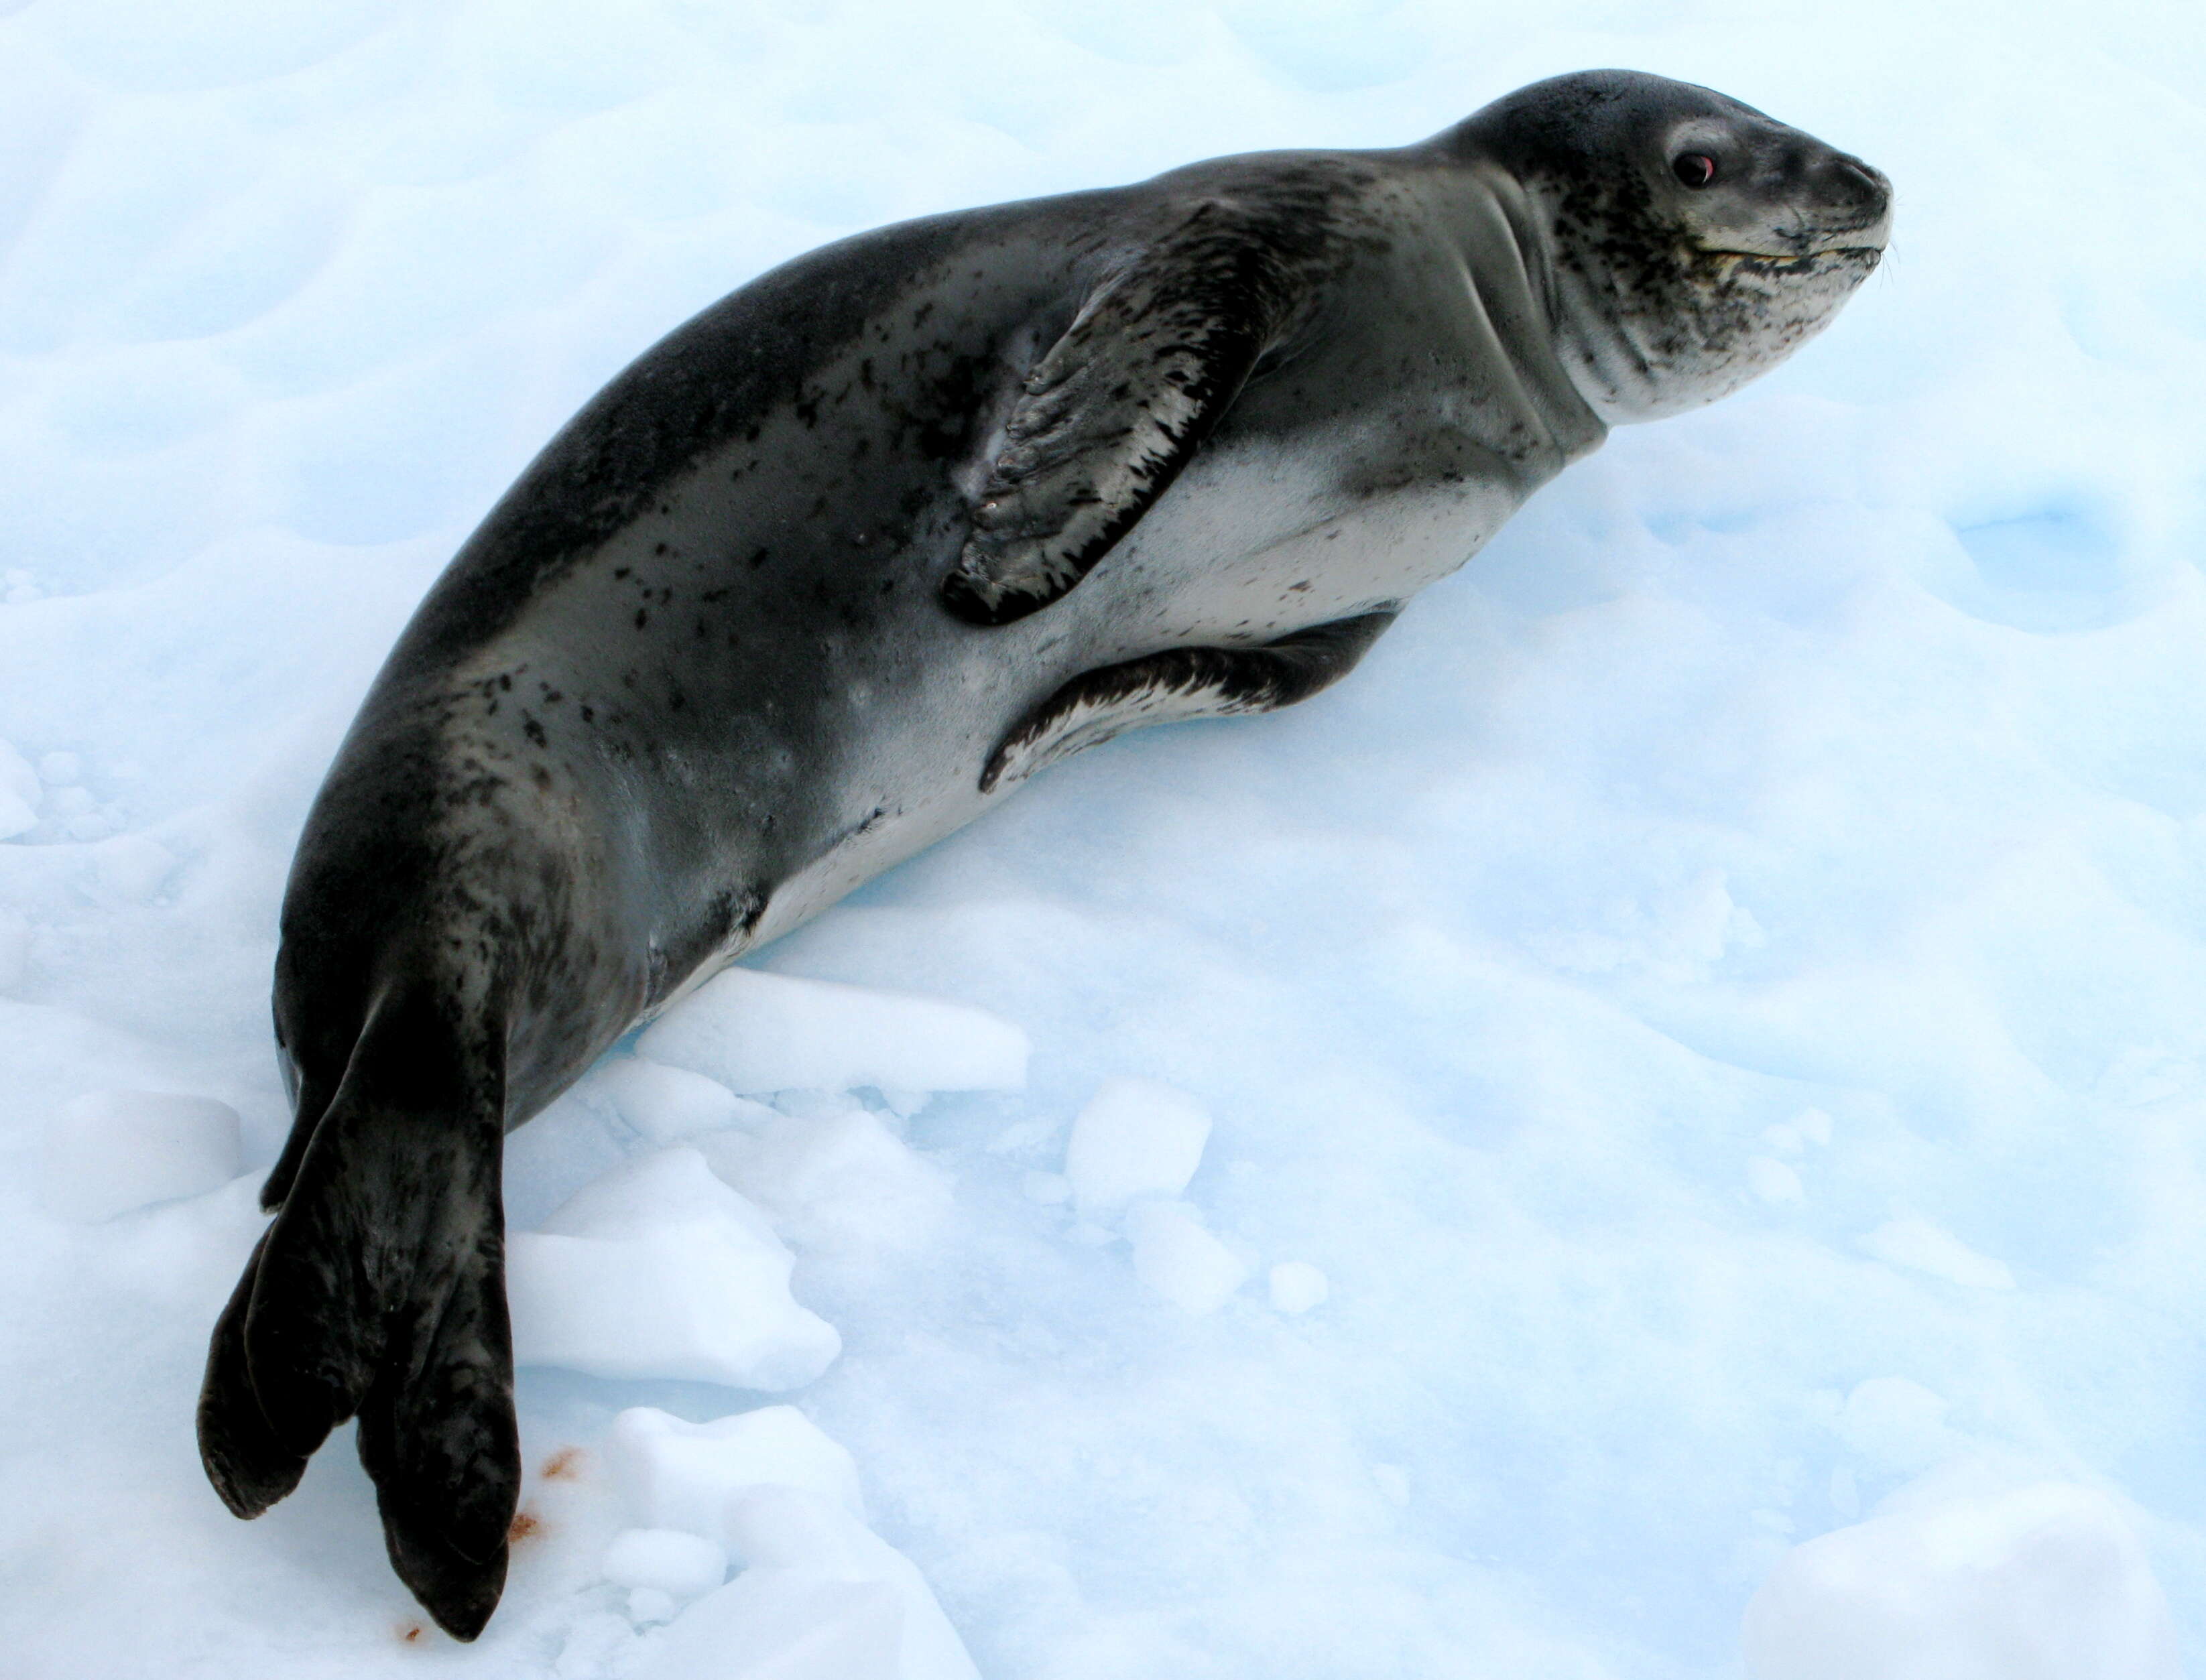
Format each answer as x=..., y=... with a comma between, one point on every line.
x=565, y=1465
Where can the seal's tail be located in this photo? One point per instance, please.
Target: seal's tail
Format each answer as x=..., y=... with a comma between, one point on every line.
x=380, y=1290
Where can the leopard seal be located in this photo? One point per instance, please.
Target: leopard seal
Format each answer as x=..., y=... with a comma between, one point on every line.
x=834, y=567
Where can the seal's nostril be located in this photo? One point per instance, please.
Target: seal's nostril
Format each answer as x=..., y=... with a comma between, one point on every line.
x=1861, y=182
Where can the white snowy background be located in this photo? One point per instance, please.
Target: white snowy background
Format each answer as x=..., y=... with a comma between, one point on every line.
x=1707, y=1022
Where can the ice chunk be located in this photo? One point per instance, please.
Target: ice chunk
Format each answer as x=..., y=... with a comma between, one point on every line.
x=15, y=947
x=1898, y=1424
x=1394, y=1484
x=842, y=1181
x=20, y=793
x=1918, y=1244
x=820, y=1598
x=2041, y=1582
x=132, y=868
x=1175, y=1256
x=1296, y=1286
x=786, y=1625
x=570, y=1145
x=673, y=1474
x=672, y=1561
x=668, y=1104
x=595, y=1644
x=658, y=1269
x=753, y=1032
x=1136, y=1138
x=1049, y=1189
x=1773, y=1181
x=112, y=1151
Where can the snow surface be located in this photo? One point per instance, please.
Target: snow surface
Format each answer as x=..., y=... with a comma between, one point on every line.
x=1716, y=995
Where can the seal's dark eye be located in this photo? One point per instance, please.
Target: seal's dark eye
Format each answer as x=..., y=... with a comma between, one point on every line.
x=1695, y=168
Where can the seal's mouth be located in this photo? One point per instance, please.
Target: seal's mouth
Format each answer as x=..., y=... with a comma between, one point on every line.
x=1796, y=261
x=1853, y=238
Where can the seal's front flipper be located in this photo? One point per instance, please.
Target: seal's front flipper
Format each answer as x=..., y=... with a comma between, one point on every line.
x=379, y=1290
x=1119, y=405
x=1181, y=683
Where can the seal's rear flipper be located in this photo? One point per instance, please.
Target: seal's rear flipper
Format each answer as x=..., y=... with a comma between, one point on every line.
x=380, y=1289
x=436, y=1434
x=1177, y=684
x=250, y=1468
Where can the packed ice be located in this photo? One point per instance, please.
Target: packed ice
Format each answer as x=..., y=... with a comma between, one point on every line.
x=110, y=1151
x=671, y=1562
x=821, y=1598
x=671, y=1473
x=754, y=1031
x=663, y=1105
x=2045, y=1581
x=659, y=1270
x=1657, y=1130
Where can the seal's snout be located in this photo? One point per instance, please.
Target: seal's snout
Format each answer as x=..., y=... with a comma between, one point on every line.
x=1857, y=197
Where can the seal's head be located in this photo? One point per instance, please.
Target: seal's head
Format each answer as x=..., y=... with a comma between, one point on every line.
x=1693, y=243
